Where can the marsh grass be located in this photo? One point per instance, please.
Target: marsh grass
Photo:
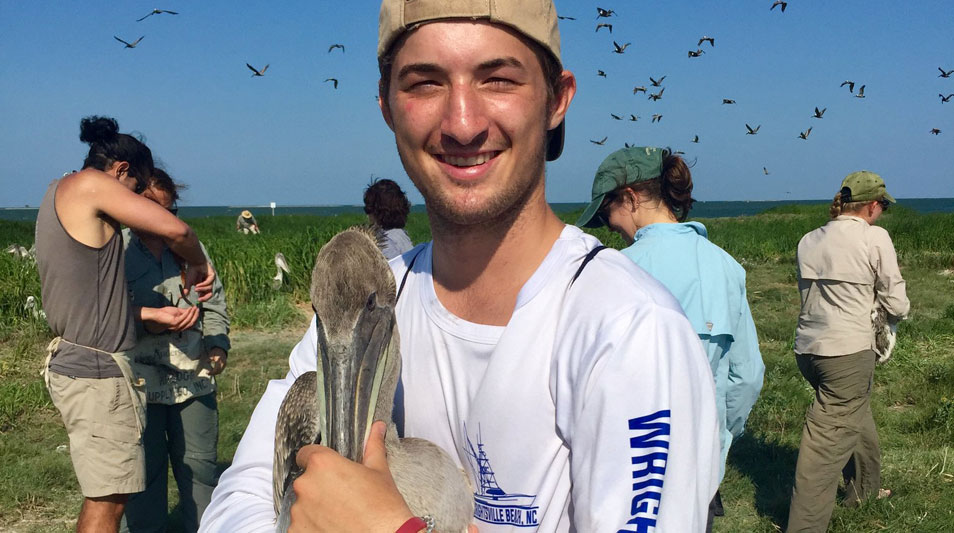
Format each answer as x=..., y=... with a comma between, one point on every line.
x=913, y=401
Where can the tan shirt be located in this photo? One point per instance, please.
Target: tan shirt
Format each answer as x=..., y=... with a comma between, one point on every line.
x=845, y=268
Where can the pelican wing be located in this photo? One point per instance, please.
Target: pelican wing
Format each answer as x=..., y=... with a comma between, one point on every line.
x=297, y=425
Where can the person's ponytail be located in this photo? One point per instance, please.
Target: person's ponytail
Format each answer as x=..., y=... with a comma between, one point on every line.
x=676, y=186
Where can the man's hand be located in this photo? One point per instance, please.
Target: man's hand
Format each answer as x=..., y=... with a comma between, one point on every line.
x=335, y=494
x=201, y=277
x=161, y=319
x=217, y=360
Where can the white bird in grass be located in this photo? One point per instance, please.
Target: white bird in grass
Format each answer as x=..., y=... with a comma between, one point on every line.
x=281, y=265
x=33, y=309
x=20, y=252
x=356, y=376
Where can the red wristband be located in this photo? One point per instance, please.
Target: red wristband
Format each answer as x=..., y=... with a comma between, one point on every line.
x=413, y=525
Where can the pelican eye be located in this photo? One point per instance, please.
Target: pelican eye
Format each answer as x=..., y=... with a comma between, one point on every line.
x=372, y=301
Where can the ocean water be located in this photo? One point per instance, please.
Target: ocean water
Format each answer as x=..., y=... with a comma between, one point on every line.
x=699, y=210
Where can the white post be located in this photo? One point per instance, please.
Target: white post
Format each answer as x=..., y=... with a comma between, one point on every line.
x=272, y=204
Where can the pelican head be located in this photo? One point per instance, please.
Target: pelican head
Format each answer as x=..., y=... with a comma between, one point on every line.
x=358, y=367
x=352, y=292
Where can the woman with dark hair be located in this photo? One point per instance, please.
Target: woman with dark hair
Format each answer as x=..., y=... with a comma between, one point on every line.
x=80, y=262
x=387, y=207
x=179, y=368
x=846, y=270
x=645, y=195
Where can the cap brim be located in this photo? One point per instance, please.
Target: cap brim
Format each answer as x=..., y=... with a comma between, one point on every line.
x=555, y=141
x=588, y=219
x=890, y=198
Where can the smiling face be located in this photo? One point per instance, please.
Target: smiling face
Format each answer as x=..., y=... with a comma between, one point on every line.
x=468, y=105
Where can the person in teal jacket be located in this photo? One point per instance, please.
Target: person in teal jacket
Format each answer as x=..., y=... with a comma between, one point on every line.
x=178, y=364
x=645, y=195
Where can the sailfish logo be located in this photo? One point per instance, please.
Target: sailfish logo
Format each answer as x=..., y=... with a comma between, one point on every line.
x=491, y=503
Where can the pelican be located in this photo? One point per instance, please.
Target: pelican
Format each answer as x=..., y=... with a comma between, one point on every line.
x=281, y=265
x=357, y=370
x=129, y=45
x=885, y=333
x=255, y=71
x=33, y=309
x=20, y=252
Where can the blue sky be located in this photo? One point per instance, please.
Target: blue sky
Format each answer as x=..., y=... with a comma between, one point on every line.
x=291, y=138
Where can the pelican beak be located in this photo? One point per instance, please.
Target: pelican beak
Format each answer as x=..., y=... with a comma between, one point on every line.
x=351, y=371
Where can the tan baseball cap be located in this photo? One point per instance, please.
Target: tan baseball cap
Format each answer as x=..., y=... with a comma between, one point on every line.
x=536, y=19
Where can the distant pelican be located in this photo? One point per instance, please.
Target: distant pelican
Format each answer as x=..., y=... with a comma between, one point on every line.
x=280, y=265
x=33, y=309
x=358, y=367
x=20, y=252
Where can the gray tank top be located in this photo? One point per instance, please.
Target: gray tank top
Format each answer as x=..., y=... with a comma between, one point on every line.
x=84, y=296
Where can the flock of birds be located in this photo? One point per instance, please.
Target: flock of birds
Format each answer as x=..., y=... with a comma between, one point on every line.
x=256, y=72
x=655, y=90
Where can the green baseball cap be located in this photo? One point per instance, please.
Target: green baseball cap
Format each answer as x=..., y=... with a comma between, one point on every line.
x=864, y=186
x=535, y=19
x=622, y=167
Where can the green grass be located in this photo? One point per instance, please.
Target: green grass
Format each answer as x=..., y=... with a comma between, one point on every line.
x=913, y=400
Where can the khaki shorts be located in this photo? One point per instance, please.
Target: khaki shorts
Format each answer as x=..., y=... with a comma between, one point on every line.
x=105, y=443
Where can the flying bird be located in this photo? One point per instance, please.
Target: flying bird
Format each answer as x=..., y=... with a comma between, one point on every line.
x=600, y=142
x=633, y=118
x=804, y=134
x=157, y=12
x=695, y=139
x=727, y=101
x=255, y=71
x=619, y=49
x=281, y=266
x=561, y=17
x=656, y=96
x=600, y=73
x=356, y=374
x=861, y=92
x=604, y=25
x=779, y=3
x=600, y=12
x=616, y=117
x=705, y=38
x=945, y=73
x=336, y=45
x=850, y=84
x=765, y=171
x=639, y=88
x=334, y=81
x=129, y=45
x=818, y=114
x=656, y=83
x=945, y=99
x=751, y=131
x=697, y=53
x=656, y=118
x=935, y=131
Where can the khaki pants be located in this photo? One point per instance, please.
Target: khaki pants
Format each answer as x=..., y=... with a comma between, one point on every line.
x=839, y=436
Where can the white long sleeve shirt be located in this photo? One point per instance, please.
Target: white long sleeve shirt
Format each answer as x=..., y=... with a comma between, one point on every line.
x=596, y=398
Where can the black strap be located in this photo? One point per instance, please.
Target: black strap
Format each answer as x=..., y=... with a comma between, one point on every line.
x=406, y=272
x=589, y=257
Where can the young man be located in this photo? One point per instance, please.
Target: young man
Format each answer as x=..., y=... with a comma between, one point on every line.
x=79, y=252
x=577, y=402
